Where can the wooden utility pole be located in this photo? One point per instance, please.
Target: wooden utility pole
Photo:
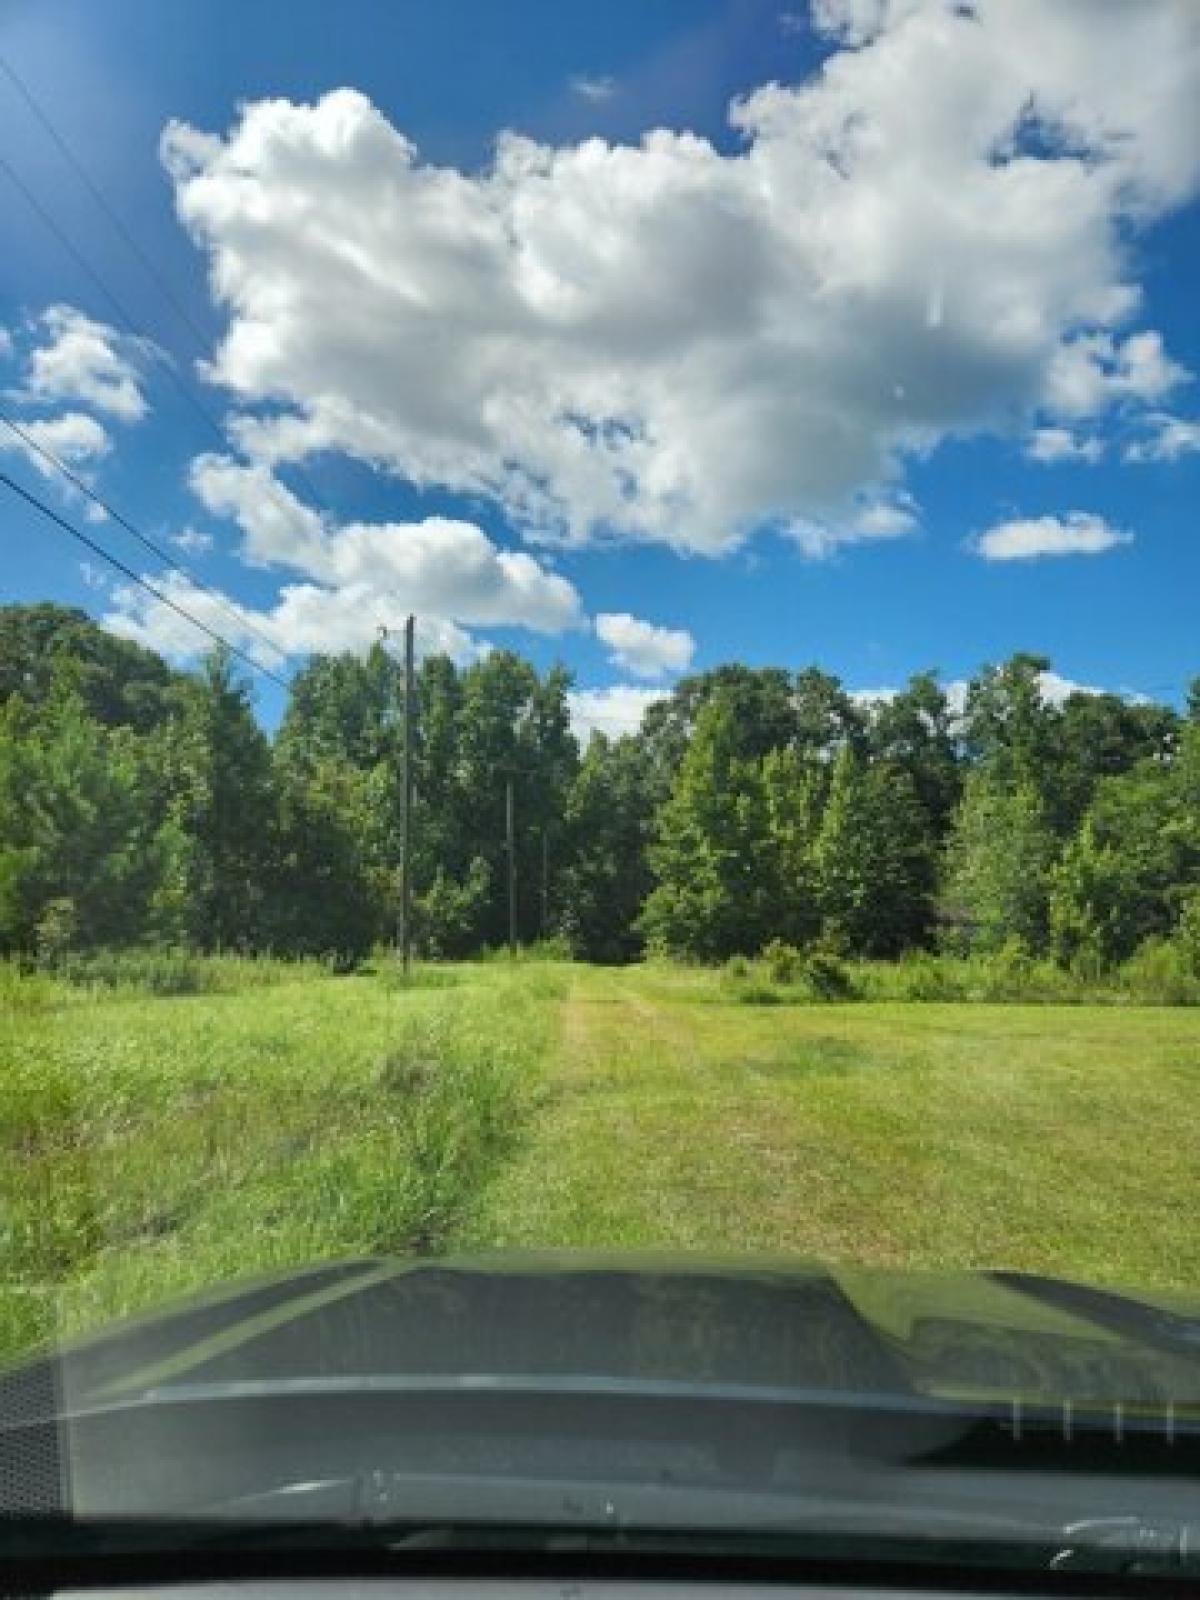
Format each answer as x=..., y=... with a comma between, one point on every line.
x=406, y=815
x=510, y=831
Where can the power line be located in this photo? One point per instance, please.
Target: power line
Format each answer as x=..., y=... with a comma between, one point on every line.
x=128, y=572
x=68, y=154
x=133, y=328
x=144, y=539
x=122, y=315
x=126, y=236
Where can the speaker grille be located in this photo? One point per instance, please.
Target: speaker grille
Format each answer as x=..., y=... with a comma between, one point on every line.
x=32, y=1459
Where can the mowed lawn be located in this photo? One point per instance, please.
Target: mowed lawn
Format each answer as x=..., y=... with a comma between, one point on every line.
x=152, y=1144
x=1057, y=1139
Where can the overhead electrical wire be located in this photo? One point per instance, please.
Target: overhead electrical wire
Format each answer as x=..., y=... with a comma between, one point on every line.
x=143, y=539
x=135, y=330
x=68, y=154
x=125, y=234
x=143, y=583
x=127, y=322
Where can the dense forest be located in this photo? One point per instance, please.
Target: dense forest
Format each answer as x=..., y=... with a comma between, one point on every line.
x=142, y=805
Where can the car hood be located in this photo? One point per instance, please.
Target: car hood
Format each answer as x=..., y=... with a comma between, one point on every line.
x=637, y=1319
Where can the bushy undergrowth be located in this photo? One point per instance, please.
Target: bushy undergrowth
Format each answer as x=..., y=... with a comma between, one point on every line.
x=421, y=975
x=180, y=972
x=1162, y=972
x=552, y=949
x=146, y=1152
x=25, y=993
x=784, y=973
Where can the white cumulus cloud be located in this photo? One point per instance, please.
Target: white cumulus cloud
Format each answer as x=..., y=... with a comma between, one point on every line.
x=1078, y=533
x=306, y=618
x=1092, y=371
x=192, y=541
x=439, y=567
x=84, y=361
x=1060, y=444
x=593, y=88
x=613, y=711
x=874, y=517
x=75, y=438
x=854, y=22
x=668, y=342
x=643, y=648
x=1168, y=439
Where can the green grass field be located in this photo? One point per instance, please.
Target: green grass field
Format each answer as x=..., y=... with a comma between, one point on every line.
x=155, y=1143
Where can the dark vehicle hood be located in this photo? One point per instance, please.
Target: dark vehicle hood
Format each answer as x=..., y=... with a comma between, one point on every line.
x=365, y=1391
x=642, y=1319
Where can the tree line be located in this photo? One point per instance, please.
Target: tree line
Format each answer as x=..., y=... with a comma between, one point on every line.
x=143, y=805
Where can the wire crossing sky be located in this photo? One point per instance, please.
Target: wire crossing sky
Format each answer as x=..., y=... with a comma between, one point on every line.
x=641, y=341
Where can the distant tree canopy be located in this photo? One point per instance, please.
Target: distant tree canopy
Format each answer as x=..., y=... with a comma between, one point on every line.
x=47, y=649
x=143, y=804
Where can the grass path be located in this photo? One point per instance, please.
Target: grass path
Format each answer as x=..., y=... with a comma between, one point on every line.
x=150, y=1145
x=1045, y=1138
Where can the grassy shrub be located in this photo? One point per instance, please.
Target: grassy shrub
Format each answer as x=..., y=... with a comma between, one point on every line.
x=146, y=1151
x=443, y=1107
x=421, y=975
x=1006, y=976
x=1187, y=933
x=180, y=972
x=162, y=972
x=827, y=977
x=746, y=982
x=921, y=976
x=784, y=975
x=1160, y=973
x=783, y=962
x=26, y=993
x=759, y=991
x=552, y=949
x=29, y=1317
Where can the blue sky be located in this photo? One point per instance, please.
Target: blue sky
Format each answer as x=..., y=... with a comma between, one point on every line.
x=894, y=373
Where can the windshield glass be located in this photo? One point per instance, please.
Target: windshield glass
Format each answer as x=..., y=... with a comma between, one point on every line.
x=600, y=770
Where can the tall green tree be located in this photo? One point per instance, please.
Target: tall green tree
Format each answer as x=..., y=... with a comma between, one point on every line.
x=763, y=703
x=1127, y=875
x=75, y=827
x=794, y=790
x=999, y=858
x=826, y=718
x=498, y=744
x=48, y=651
x=1098, y=910
x=1100, y=736
x=915, y=732
x=712, y=849
x=345, y=706
x=874, y=860
x=218, y=833
x=607, y=827
x=1009, y=727
x=324, y=895
x=443, y=828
